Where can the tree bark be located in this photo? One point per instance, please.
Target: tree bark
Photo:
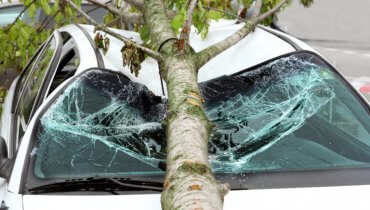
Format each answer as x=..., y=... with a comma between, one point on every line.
x=189, y=183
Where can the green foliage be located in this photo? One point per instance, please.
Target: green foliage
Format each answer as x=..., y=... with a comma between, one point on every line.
x=109, y=17
x=202, y=14
x=19, y=41
x=206, y=11
x=144, y=33
x=307, y=3
x=179, y=20
x=266, y=6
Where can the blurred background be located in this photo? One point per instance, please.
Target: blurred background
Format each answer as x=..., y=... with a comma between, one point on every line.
x=339, y=30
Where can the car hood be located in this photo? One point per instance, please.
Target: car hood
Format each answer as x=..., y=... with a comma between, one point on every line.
x=349, y=197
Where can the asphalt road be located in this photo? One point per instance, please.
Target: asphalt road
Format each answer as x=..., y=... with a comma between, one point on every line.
x=338, y=29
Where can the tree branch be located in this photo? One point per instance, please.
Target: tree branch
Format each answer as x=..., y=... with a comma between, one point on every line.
x=102, y=27
x=225, y=12
x=135, y=18
x=19, y=15
x=212, y=51
x=46, y=21
x=136, y=3
x=272, y=11
x=108, y=7
x=184, y=36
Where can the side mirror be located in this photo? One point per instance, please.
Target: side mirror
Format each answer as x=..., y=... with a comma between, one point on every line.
x=5, y=165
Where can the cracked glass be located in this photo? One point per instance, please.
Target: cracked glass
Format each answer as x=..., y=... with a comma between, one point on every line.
x=292, y=113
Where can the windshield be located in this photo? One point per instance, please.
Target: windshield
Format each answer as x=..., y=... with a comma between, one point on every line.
x=292, y=113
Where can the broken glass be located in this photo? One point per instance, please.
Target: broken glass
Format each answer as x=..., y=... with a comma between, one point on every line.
x=287, y=114
x=102, y=123
x=256, y=114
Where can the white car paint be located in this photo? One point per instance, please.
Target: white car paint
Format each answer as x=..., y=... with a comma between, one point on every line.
x=264, y=46
x=255, y=48
x=86, y=51
x=280, y=199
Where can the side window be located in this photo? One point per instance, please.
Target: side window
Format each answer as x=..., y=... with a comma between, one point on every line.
x=27, y=71
x=33, y=85
x=68, y=64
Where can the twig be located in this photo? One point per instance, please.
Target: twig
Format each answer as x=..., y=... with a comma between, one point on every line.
x=19, y=15
x=271, y=11
x=136, y=3
x=108, y=7
x=102, y=27
x=44, y=24
x=212, y=51
x=134, y=18
x=225, y=12
x=189, y=18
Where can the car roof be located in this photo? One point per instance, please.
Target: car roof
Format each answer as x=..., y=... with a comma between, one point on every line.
x=263, y=44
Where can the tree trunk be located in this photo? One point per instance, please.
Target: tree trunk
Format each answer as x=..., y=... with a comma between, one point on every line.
x=189, y=182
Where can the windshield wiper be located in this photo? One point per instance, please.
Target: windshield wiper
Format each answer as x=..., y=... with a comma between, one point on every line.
x=106, y=184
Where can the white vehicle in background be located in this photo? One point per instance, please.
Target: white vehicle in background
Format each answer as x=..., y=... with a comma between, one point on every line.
x=10, y=11
x=79, y=131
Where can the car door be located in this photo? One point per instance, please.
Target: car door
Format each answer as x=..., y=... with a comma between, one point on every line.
x=34, y=89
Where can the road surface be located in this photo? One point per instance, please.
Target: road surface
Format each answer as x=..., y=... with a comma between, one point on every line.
x=338, y=29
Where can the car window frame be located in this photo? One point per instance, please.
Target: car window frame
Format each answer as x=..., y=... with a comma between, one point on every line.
x=67, y=44
x=49, y=75
x=25, y=73
x=17, y=93
x=38, y=100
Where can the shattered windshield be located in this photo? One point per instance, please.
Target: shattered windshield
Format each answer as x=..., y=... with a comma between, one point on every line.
x=292, y=113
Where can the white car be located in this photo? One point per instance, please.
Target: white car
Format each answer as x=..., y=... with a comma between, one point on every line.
x=81, y=132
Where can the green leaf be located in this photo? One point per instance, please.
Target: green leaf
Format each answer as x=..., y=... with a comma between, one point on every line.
x=31, y=11
x=13, y=32
x=69, y=12
x=20, y=42
x=108, y=17
x=179, y=20
x=24, y=34
x=144, y=33
x=55, y=7
x=214, y=15
x=58, y=18
x=45, y=6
